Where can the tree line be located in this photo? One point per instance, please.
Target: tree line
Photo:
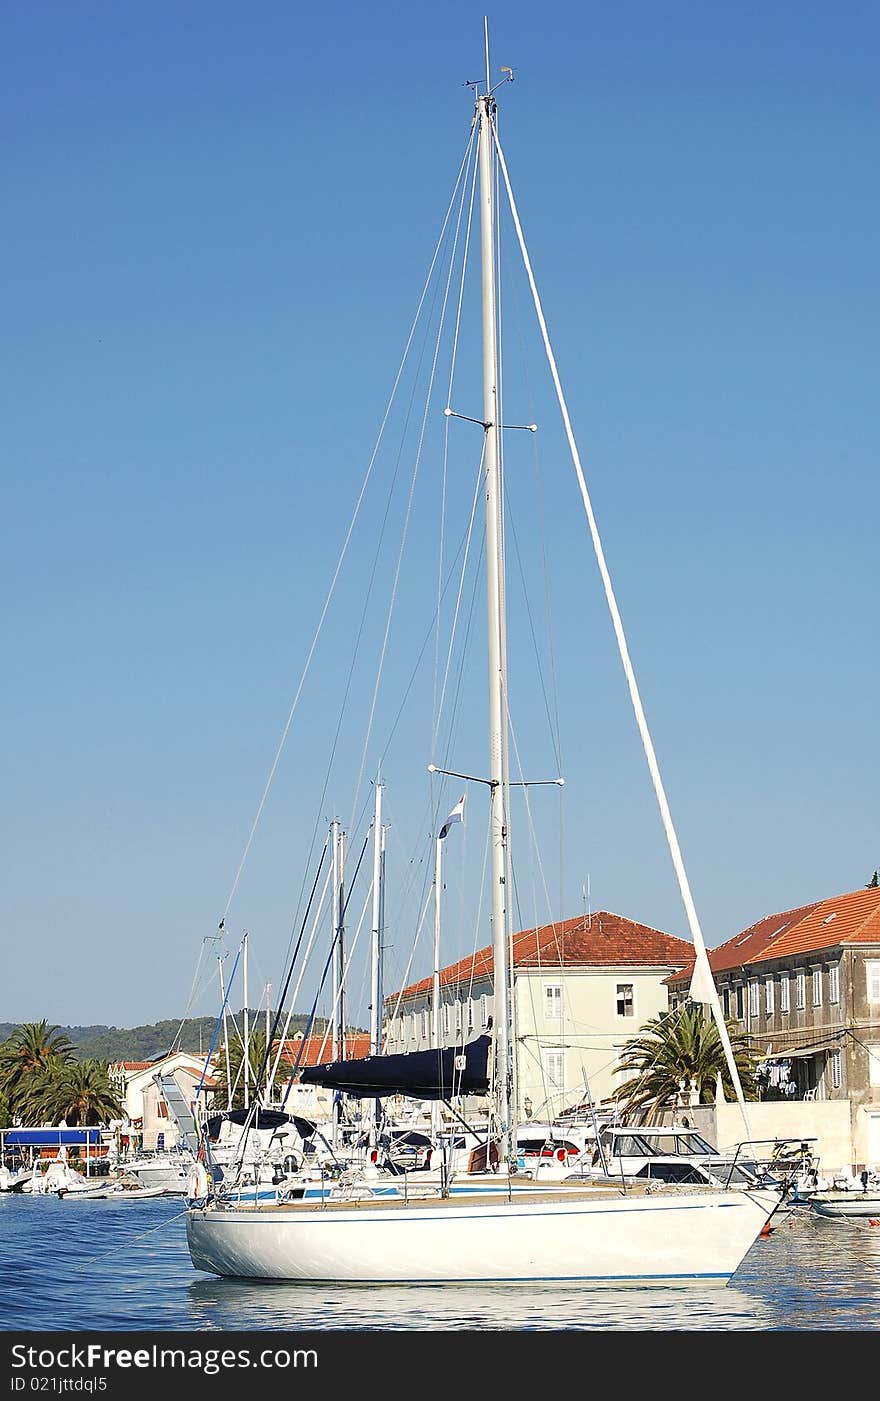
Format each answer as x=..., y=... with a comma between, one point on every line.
x=42, y=1082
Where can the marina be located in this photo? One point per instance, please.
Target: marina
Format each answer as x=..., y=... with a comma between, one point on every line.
x=127, y=1267
x=358, y=775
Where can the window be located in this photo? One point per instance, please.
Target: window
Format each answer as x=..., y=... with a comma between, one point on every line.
x=458, y=1018
x=769, y=995
x=424, y=1023
x=834, y=984
x=554, y=1069
x=817, y=987
x=784, y=1003
x=834, y=1068
x=675, y=1172
x=444, y=1019
x=625, y=1000
x=470, y=1014
x=740, y=1004
x=727, y=1002
x=754, y=999
x=872, y=973
x=801, y=989
x=484, y=1010
x=874, y=1065
x=553, y=1002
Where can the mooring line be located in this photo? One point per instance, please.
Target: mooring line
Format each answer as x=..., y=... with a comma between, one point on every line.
x=176, y=1217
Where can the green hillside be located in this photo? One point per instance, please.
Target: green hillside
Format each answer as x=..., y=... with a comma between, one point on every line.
x=111, y=1043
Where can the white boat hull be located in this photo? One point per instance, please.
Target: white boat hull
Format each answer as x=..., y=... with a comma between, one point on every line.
x=112, y=1192
x=599, y=1239
x=846, y=1204
x=170, y=1178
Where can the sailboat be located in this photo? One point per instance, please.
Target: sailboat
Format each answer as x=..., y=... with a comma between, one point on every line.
x=599, y=1234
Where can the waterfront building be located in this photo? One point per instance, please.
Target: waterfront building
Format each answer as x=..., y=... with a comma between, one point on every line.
x=150, y=1122
x=804, y=986
x=582, y=987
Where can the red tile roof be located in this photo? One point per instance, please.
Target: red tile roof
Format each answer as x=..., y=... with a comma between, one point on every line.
x=844, y=919
x=587, y=941
x=319, y=1049
x=135, y=1065
x=751, y=943
x=853, y=918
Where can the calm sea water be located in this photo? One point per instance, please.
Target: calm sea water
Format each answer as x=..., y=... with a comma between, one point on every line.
x=102, y=1265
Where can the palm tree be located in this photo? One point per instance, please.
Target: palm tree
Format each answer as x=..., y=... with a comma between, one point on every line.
x=79, y=1092
x=679, y=1049
x=257, y=1052
x=32, y=1049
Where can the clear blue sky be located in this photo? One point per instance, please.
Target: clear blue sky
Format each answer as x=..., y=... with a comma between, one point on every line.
x=217, y=220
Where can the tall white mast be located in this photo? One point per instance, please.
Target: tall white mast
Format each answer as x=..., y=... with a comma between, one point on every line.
x=247, y=1049
x=268, y=1086
x=335, y=915
x=336, y=958
x=225, y=1035
x=377, y=931
x=435, y=982
x=376, y=990
x=495, y=606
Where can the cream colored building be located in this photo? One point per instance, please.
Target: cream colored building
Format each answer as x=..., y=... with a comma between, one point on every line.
x=150, y=1123
x=581, y=990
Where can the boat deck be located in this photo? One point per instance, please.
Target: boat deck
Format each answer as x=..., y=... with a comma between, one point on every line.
x=558, y=1192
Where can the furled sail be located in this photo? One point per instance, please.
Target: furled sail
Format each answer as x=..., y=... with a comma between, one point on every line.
x=433, y=1074
x=256, y=1118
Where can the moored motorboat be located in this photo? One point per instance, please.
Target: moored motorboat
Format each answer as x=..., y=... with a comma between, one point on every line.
x=166, y=1170
x=117, y=1191
x=847, y=1202
x=13, y=1179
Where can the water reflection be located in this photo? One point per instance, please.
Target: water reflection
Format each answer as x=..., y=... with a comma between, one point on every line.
x=802, y=1277
x=102, y=1265
x=388, y=1308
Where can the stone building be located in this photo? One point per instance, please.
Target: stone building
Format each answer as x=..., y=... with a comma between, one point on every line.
x=804, y=986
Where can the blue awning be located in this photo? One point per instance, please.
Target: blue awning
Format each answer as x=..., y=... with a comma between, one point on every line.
x=49, y=1138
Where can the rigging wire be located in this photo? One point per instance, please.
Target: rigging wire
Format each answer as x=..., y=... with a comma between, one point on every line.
x=452, y=364
x=337, y=1001
x=308, y=1031
x=270, y=1040
x=305, y=963
x=208, y=939
x=702, y=970
x=379, y=544
x=344, y=551
x=405, y=533
x=462, y=552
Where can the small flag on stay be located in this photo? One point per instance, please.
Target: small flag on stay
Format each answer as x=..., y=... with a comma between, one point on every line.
x=457, y=815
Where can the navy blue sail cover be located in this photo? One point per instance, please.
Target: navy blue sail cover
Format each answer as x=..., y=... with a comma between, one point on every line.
x=434, y=1074
x=256, y=1117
